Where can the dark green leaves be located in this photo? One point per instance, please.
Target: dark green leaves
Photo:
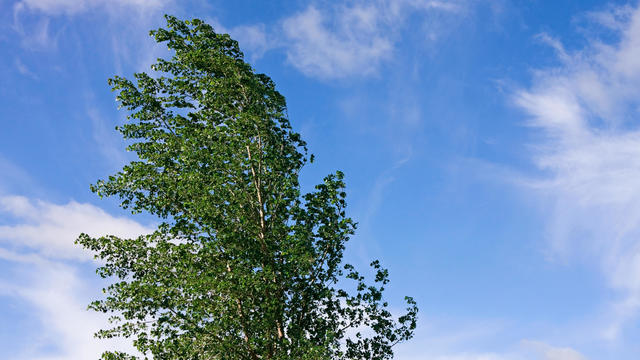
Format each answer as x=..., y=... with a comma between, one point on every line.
x=243, y=266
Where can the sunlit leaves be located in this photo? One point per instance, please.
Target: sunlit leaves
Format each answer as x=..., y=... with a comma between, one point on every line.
x=243, y=266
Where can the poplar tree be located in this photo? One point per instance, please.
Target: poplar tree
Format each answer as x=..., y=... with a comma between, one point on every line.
x=243, y=265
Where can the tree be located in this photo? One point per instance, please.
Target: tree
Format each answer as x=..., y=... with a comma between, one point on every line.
x=243, y=266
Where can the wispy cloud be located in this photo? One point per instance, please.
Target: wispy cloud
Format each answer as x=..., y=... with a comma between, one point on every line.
x=56, y=296
x=37, y=35
x=586, y=110
x=544, y=351
x=51, y=229
x=327, y=41
x=43, y=268
x=351, y=39
x=527, y=350
x=73, y=7
x=253, y=38
x=346, y=38
x=32, y=19
x=355, y=44
x=466, y=343
x=475, y=356
x=24, y=70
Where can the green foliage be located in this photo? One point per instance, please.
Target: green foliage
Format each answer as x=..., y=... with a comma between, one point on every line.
x=243, y=266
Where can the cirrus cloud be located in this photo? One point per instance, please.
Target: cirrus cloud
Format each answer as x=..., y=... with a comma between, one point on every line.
x=73, y=7
x=352, y=39
x=51, y=229
x=587, y=113
x=44, y=271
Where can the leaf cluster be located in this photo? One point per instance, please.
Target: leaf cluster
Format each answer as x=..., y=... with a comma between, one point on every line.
x=243, y=266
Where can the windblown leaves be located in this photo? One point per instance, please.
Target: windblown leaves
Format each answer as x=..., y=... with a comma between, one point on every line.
x=243, y=265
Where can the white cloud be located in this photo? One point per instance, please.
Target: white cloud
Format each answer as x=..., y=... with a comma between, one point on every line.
x=449, y=339
x=613, y=18
x=41, y=268
x=525, y=350
x=73, y=7
x=334, y=41
x=57, y=297
x=51, y=229
x=37, y=35
x=547, y=352
x=253, y=38
x=345, y=40
x=475, y=356
x=24, y=70
x=587, y=111
x=357, y=47
x=32, y=21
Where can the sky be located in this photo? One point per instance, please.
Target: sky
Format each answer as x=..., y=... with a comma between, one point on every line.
x=491, y=150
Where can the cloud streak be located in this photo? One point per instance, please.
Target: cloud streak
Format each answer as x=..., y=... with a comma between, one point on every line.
x=339, y=40
x=586, y=111
x=74, y=7
x=56, y=296
x=44, y=273
x=351, y=39
x=50, y=229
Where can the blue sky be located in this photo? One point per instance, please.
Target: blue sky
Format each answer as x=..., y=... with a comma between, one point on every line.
x=491, y=152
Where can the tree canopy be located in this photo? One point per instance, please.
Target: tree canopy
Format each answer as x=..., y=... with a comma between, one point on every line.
x=243, y=265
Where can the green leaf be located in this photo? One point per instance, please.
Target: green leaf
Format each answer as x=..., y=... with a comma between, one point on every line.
x=242, y=266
